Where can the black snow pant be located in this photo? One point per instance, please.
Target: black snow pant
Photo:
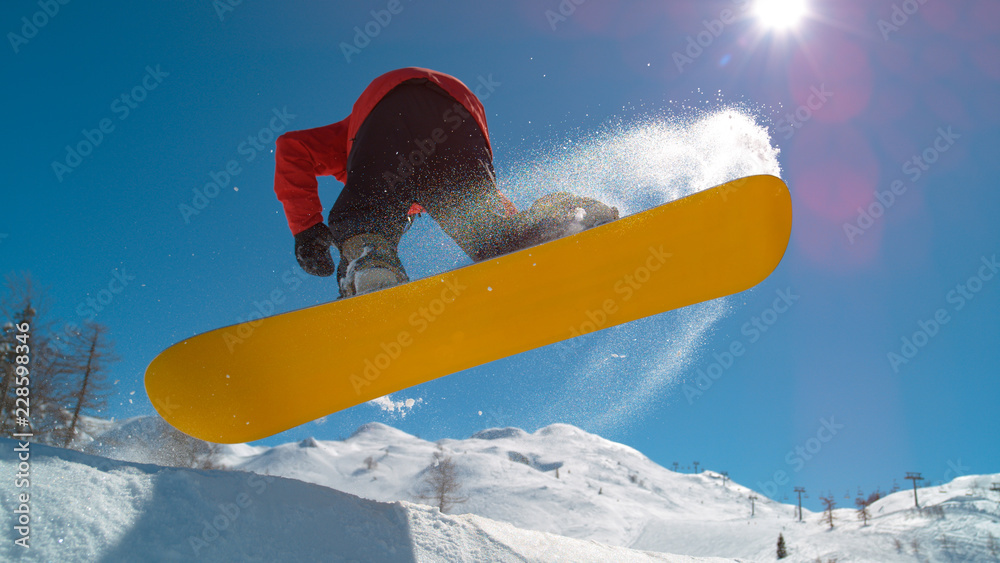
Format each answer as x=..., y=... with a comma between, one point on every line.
x=419, y=145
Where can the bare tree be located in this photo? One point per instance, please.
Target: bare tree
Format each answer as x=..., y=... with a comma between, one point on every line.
x=24, y=306
x=441, y=482
x=18, y=310
x=20, y=294
x=828, y=503
x=863, y=503
x=93, y=352
x=863, y=513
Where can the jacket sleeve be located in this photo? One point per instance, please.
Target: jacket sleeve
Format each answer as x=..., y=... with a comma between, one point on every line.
x=301, y=156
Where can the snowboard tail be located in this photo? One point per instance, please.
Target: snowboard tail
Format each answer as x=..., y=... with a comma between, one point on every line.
x=246, y=382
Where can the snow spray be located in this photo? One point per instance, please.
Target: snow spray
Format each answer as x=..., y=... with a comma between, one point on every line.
x=625, y=371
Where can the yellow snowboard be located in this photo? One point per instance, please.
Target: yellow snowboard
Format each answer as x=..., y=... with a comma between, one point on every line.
x=250, y=381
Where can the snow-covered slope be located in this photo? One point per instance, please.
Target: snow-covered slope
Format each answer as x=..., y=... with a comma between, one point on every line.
x=563, y=480
x=557, y=480
x=87, y=508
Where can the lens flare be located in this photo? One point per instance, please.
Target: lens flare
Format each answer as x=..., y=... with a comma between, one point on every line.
x=780, y=14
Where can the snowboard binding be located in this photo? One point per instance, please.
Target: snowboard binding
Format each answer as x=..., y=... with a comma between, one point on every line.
x=561, y=214
x=368, y=262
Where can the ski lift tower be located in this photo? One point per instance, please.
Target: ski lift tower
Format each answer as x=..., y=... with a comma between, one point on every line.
x=914, y=477
x=800, y=490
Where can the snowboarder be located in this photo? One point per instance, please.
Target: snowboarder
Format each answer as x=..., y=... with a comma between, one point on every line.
x=416, y=141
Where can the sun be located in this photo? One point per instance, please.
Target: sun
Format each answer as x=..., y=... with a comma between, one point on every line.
x=780, y=15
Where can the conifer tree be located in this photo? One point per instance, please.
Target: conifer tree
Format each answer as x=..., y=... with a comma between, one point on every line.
x=782, y=551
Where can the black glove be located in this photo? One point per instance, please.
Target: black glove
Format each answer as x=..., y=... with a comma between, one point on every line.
x=312, y=250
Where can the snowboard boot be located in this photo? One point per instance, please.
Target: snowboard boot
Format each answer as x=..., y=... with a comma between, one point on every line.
x=368, y=263
x=560, y=214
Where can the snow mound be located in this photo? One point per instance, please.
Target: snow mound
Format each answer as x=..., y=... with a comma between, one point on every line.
x=559, y=481
x=379, y=431
x=559, y=429
x=309, y=442
x=88, y=508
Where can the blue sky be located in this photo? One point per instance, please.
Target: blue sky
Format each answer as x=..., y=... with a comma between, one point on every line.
x=860, y=98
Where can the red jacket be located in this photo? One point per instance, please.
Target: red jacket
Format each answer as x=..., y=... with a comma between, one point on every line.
x=301, y=156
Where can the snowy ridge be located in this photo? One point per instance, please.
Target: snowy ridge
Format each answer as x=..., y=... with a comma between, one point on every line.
x=557, y=494
x=565, y=481
x=88, y=508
